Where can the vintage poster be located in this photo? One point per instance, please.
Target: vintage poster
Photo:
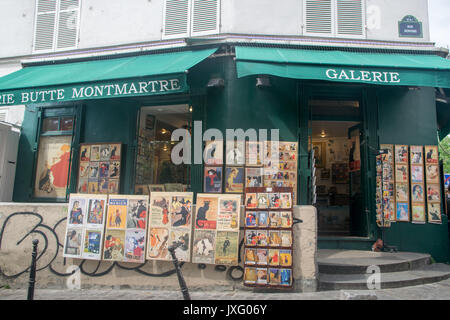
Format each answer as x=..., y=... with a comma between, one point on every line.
x=263, y=200
x=417, y=193
x=274, y=257
x=434, y=213
x=261, y=276
x=213, y=154
x=52, y=167
x=402, y=212
x=115, y=152
x=114, y=246
x=401, y=173
x=135, y=246
x=251, y=219
x=92, y=244
x=93, y=171
x=254, y=153
x=204, y=246
x=113, y=186
x=254, y=177
x=235, y=153
x=285, y=258
x=105, y=152
x=274, y=219
x=228, y=216
x=96, y=211
x=416, y=155
x=85, y=153
x=114, y=170
x=170, y=224
x=181, y=239
x=95, y=153
x=401, y=154
x=250, y=275
x=234, y=179
x=274, y=276
x=83, y=186
x=117, y=213
x=250, y=256
x=286, y=277
x=402, y=192
x=84, y=170
x=262, y=256
x=137, y=213
x=263, y=219
x=73, y=242
x=207, y=210
x=431, y=155
x=433, y=193
x=77, y=210
x=274, y=238
x=227, y=248
x=417, y=174
x=286, y=238
x=418, y=213
x=212, y=180
x=251, y=201
x=432, y=174
x=158, y=243
x=286, y=219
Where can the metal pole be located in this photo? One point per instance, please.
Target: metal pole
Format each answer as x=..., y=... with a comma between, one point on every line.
x=32, y=271
x=183, y=287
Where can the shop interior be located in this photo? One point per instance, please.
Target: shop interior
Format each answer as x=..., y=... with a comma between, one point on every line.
x=154, y=168
x=336, y=146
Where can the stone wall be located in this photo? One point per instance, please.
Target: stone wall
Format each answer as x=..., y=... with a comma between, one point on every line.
x=22, y=223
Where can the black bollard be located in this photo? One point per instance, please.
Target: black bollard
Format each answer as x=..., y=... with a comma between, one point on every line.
x=32, y=271
x=183, y=287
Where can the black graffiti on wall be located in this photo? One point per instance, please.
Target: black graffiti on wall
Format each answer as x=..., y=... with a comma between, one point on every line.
x=49, y=250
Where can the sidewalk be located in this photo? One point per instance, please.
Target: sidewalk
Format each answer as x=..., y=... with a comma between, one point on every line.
x=435, y=291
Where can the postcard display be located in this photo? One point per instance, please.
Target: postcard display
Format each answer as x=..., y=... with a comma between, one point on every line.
x=99, y=170
x=126, y=224
x=170, y=223
x=85, y=226
x=402, y=183
x=417, y=184
x=433, y=189
x=216, y=232
x=268, y=237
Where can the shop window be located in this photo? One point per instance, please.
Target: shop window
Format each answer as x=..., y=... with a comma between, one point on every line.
x=335, y=18
x=56, y=25
x=154, y=168
x=54, y=158
x=185, y=18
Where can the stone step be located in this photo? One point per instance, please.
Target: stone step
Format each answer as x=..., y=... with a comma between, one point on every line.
x=357, y=262
x=423, y=275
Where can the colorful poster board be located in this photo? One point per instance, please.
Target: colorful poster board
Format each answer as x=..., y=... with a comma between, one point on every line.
x=170, y=223
x=85, y=226
x=268, y=237
x=126, y=225
x=417, y=184
x=216, y=232
x=402, y=183
x=433, y=187
x=99, y=168
x=389, y=198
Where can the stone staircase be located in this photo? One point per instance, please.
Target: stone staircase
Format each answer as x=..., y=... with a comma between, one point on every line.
x=347, y=269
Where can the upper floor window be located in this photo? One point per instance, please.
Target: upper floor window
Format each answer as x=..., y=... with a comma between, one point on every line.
x=335, y=18
x=56, y=25
x=185, y=18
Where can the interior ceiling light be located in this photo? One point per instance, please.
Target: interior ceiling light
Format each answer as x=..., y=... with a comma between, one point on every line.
x=323, y=134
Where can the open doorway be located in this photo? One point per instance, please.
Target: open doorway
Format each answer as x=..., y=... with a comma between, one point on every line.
x=155, y=170
x=336, y=140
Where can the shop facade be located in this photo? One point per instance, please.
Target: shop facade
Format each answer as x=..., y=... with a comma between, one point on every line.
x=344, y=120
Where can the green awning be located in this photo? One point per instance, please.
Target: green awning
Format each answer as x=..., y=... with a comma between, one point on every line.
x=342, y=66
x=109, y=78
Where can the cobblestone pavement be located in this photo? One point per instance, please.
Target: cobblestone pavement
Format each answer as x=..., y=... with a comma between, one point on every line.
x=435, y=291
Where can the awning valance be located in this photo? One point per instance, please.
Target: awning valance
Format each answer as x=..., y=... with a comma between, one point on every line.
x=109, y=78
x=342, y=66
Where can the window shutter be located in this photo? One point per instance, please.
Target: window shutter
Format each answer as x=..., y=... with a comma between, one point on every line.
x=176, y=19
x=44, y=31
x=350, y=17
x=318, y=16
x=205, y=17
x=69, y=11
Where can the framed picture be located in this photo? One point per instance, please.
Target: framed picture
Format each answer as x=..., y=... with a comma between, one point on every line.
x=401, y=173
x=432, y=173
x=434, y=213
x=212, y=180
x=431, y=155
x=401, y=154
x=254, y=177
x=149, y=122
x=235, y=153
x=320, y=154
x=213, y=153
x=418, y=213
x=402, y=211
x=234, y=179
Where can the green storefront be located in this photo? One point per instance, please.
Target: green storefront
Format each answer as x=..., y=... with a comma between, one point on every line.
x=345, y=104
